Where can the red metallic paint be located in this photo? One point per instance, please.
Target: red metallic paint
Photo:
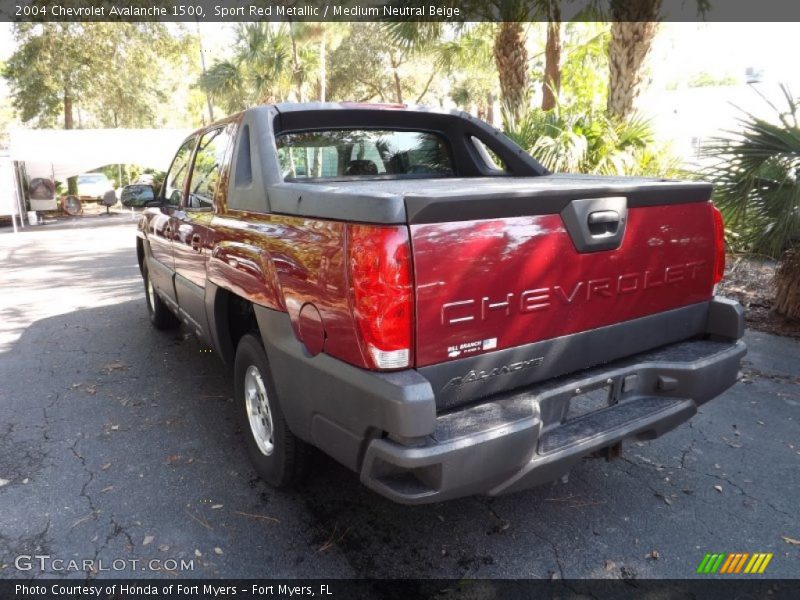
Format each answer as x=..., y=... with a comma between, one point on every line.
x=520, y=280
x=284, y=262
x=479, y=285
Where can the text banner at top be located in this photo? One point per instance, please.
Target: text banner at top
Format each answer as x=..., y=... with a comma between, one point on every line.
x=396, y=10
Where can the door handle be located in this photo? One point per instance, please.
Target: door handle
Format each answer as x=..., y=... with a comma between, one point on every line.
x=603, y=222
x=195, y=243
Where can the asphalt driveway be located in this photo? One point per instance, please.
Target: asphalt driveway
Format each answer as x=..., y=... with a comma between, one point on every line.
x=119, y=442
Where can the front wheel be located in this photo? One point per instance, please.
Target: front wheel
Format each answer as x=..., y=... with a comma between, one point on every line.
x=277, y=454
x=160, y=315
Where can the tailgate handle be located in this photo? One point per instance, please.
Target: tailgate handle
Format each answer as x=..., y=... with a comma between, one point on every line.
x=596, y=224
x=603, y=222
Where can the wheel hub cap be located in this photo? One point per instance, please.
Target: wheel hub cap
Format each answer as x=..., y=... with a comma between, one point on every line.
x=151, y=293
x=258, y=412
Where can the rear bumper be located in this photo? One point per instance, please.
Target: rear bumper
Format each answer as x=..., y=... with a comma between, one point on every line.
x=408, y=446
x=519, y=440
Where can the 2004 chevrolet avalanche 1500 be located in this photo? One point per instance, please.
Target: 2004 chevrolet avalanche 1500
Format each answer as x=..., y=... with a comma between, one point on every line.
x=413, y=294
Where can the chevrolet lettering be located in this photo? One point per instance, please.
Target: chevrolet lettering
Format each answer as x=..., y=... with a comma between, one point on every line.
x=539, y=299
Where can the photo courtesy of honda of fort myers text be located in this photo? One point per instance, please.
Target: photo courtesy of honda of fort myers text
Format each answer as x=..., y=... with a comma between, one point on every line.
x=131, y=589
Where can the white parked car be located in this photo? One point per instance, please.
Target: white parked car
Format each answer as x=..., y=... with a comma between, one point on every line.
x=93, y=185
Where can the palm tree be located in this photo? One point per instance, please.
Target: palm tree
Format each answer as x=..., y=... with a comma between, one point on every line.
x=579, y=139
x=552, y=56
x=757, y=180
x=633, y=28
x=258, y=72
x=511, y=58
x=509, y=49
x=632, y=32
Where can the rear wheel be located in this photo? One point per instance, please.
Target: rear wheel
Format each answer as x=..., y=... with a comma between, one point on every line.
x=160, y=315
x=277, y=454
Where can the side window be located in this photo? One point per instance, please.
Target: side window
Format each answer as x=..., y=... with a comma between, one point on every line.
x=176, y=177
x=489, y=158
x=209, y=171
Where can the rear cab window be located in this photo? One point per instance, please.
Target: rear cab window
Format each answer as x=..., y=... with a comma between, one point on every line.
x=363, y=153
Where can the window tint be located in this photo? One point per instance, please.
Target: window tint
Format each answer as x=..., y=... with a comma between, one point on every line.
x=208, y=168
x=353, y=153
x=174, y=182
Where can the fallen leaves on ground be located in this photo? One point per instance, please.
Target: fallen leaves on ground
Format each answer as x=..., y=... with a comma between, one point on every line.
x=218, y=551
x=718, y=488
x=200, y=519
x=148, y=539
x=254, y=516
x=333, y=540
x=666, y=500
x=115, y=365
x=91, y=515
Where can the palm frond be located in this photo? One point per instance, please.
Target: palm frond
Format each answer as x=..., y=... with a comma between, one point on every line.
x=756, y=173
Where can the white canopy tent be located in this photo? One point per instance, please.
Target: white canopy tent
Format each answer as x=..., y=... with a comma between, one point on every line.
x=69, y=152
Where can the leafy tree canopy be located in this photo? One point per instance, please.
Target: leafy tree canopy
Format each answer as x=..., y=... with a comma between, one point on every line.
x=111, y=72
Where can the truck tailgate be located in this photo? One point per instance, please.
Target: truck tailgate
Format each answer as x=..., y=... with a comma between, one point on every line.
x=493, y=283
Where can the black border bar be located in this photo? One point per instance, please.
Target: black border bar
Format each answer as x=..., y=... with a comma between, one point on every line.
x=397, y=10
x=399, y=589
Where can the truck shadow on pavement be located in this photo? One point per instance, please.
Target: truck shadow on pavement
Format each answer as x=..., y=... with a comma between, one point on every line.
x=118, y=441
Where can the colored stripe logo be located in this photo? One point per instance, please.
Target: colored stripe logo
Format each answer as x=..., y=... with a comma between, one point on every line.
x=735, y=562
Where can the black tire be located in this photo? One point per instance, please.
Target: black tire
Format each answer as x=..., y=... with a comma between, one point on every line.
x=160, y=315
x=280, y=460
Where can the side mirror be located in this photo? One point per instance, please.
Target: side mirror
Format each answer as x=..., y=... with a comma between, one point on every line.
x=139, y=194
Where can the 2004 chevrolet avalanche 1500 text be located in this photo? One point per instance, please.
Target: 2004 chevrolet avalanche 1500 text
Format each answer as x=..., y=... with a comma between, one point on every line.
x=410, y=292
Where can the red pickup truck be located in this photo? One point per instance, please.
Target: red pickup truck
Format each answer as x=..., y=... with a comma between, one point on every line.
x=413, y=294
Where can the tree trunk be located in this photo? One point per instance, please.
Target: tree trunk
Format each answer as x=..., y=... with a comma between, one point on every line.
x=297, y=71
x=434, y=72
x=552, y=66
x=511, y=59
x=551, y=85
x=632, y=34
x=69, y=123
x=787, y=285
x=398, y=88
x=323, y=74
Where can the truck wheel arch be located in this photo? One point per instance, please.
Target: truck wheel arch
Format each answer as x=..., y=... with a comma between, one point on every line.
x=230, y=318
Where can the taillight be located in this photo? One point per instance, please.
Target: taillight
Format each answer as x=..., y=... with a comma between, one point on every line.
x=379, y=261
x=719, y=245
